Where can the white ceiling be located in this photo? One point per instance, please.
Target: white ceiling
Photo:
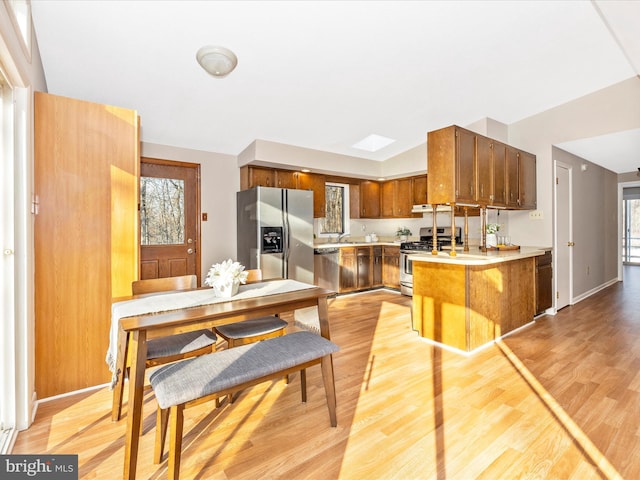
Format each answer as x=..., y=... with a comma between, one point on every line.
x=324, y=75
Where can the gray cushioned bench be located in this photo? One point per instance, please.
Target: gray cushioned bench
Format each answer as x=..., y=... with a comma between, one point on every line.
x=193, y=381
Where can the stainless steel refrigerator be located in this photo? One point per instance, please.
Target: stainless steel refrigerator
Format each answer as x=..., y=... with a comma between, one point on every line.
x=275, y=232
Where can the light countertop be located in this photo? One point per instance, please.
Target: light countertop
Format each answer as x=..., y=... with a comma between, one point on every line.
x=476, y=257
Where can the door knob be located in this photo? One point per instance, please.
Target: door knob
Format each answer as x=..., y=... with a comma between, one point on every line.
x=190, y=251
x=570, y=244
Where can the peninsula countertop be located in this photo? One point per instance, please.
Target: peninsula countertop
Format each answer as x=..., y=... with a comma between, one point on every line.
x=477, y=257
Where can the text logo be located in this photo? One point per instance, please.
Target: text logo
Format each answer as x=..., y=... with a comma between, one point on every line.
x=50, y=467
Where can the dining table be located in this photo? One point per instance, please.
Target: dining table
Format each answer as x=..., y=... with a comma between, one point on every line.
x=135, y=320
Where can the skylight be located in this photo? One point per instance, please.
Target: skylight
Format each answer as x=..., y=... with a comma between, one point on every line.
x=373, y=143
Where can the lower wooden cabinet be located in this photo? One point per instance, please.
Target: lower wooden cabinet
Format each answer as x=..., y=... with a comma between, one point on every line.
x=364, y=267
x=348, y=270
x=391, y=266
x=544, y=283
x=376, y=269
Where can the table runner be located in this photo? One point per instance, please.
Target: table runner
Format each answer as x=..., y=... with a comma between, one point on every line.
x=164, y=302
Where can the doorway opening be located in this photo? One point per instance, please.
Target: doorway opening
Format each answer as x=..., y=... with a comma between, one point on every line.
x=631, y=226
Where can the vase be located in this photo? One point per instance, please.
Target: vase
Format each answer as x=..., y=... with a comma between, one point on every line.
x=492, y=240
x=226, y=290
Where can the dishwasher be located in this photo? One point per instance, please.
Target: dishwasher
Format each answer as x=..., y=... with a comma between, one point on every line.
x=326, y=268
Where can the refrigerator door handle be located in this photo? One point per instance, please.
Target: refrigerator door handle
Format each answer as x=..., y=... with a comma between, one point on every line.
x=286, y=234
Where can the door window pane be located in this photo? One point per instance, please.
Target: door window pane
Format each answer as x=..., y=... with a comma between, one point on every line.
x=161, y=211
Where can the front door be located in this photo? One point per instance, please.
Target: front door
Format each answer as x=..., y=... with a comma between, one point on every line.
x=169, y=213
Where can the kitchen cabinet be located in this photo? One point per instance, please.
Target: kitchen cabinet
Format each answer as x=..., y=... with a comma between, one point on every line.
x=369, y=199
x=526, y=181
x=315, y=182
x=478, y=309
x=363, y=274
x=363, y=267
x=511, y=164
x=397, y=198
x=450, y=166
x=348, y=269
x=376, y=275
x=419, y=190
x=470, y=169
x=391, y=266
x=251, y=176
x=499, y=161
x=544, y=283
x=484, y=170
x=86, y=180
x=286, y=178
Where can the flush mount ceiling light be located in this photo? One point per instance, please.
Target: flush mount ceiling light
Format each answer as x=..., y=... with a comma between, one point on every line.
x=217, y=61
x=373, y=143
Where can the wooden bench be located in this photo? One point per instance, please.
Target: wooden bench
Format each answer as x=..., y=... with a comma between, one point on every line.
x=208, y=377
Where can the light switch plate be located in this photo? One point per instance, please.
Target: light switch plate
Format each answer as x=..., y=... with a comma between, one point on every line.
x=536, y=215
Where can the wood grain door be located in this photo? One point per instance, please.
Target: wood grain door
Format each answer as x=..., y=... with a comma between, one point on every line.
x=169, y=219
x=86, y=230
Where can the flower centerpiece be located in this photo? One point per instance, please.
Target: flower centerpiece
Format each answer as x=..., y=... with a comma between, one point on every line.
x=226, y=277
x=491, y=230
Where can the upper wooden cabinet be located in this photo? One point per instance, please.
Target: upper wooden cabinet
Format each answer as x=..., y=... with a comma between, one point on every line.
x=466, y=168
x=257, y=177
x=419, y=188
x=315, y=182
x=369, y=199
x=397, y=198
x=450, y=166
x=286, y=179
x=511, y=164
x=252, y=176
x=526, y=181
x=484, y=170
x=498, y=155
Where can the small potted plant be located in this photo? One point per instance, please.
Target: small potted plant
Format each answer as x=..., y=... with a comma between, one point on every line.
x=226, y=277
x=403, y=233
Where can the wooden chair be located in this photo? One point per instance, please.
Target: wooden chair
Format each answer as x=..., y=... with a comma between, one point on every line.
x=254, y=330
x=166, y=349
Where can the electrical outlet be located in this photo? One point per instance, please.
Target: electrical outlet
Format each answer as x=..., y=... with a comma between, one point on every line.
x=536, y=215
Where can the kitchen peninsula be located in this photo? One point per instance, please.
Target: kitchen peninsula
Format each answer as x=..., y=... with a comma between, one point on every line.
x=469, y=300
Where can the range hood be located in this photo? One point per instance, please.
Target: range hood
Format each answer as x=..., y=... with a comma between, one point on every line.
x=426, y=208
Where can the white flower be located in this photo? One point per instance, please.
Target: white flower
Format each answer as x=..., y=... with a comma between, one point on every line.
x=492, y=227
x=226, y=274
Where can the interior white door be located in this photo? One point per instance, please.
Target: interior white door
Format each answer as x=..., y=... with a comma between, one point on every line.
x=563, y=244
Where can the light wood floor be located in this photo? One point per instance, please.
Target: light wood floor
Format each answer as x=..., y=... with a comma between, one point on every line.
x=559, y=399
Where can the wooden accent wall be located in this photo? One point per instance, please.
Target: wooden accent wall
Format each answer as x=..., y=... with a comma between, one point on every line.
x=86, y=235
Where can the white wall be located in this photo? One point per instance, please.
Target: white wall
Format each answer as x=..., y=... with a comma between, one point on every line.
x=220, y=180
x=610, y=110
x=23, y=69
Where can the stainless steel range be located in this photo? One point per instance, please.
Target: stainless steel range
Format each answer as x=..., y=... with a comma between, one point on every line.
x=424, y=245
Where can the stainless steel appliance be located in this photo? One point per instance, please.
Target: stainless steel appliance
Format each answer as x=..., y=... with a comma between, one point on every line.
x=327, y=268
x=424, y=245
x=275, y=232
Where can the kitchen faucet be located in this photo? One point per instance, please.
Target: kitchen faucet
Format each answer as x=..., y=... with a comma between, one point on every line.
x=342, y=236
